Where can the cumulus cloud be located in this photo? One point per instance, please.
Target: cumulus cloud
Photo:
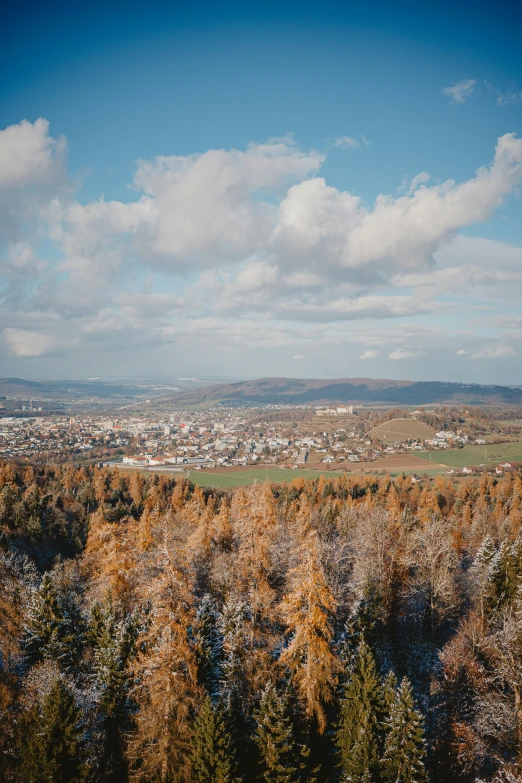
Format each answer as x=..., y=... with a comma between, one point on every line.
x=319, y=224
x=32, y=173
x=250, y=247
x=29, y=156
x=461, y=91
x=401, y=353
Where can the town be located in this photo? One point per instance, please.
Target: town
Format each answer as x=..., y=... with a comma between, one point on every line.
x=319, y=437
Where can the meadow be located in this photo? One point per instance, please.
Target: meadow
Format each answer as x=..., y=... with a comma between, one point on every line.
x=229, y=477
x=399, y=430
x=472, y=456
x=243, y=477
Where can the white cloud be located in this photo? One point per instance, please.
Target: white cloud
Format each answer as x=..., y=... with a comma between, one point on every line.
x=511, y=97
x=28, y=155
x=401, y=353
x=410, y=186
x=461, y=91
x=495, y=352
x=24, y=343
x=266, y=254
x=462, y=352
x=208, y=207
x=322, y=226
x=32, y=173
x=352, y=142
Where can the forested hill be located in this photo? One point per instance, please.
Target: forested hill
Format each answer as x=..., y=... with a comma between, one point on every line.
x=292, y=391
x=338, y=629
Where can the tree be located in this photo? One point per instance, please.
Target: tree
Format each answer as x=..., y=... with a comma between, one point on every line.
x=212, y=756
x=403, y=757
x=274, y=739
x=52, y=741
x=362, y=709
x=235, y=694
x=209, y=646
x=165, y=668
x=306, y=611
x=50, y=632
x=435, y=564
x=114, y=647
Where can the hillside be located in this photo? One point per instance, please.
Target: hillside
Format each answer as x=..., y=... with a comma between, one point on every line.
x=398, y=430
x=301, y=391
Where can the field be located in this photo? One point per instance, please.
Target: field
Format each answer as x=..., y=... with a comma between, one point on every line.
x=235, y=477
x=472, y=456
x=398, y=430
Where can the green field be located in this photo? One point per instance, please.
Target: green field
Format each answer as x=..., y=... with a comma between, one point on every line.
x=472, y=456
x=236, y=478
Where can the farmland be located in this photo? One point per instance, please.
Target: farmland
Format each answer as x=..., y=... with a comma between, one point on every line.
x=472, y=456
x=243, y=477
x=229, y=477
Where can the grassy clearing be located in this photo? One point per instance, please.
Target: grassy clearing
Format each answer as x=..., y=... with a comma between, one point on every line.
x=232, y=478
x=241, y=478
x=472, y=456
x=398, y=430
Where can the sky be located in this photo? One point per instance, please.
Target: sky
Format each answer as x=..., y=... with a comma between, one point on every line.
x=256, y=189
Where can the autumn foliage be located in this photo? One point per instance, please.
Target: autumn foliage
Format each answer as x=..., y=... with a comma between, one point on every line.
x=333, y=629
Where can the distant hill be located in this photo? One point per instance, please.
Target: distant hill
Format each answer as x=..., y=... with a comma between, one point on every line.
x=299, y=391
x=67, y=389
x=266, y=391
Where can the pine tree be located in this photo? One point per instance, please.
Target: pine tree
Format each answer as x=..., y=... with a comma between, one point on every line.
x=50, y=632
x=235, y=694
x=274, y=739
x=362, y=708
x=114, y=646
x=212, y=756
x=403, y=757
x=505, y=575
x=52, y=741
x=209, y=645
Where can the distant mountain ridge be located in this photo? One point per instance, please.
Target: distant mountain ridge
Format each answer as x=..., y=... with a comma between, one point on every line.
x=63, y=389
x=299, y=391
x=272, y=391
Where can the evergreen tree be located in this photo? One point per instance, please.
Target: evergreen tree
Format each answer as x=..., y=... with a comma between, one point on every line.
x=114, y=648
x=505, y=575
x=212, y=755
x=52, y=742
x=403, y=757
x=274, y=739
x=233, y=625
x=362, y=708
x=209, y=646
x=50, y=631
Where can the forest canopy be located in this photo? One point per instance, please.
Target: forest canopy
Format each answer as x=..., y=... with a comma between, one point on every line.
x=338, y=629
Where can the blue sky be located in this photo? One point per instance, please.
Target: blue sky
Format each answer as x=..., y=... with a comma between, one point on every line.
x=320, y=241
